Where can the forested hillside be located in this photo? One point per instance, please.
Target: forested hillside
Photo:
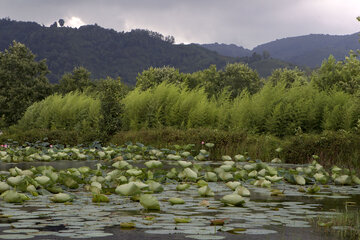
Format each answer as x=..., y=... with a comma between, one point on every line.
x=307, y=51
x=311, y=50
x=105, y=52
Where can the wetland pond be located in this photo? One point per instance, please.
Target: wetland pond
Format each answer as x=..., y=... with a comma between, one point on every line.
x=141, y=192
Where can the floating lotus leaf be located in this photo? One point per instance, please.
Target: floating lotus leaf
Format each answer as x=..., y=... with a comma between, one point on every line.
x=273, y=178
x=175, y=200
x=276, y=192
x=204, y=152
x=134, y=172
x=226, y=176
x=149, y=202
x=242, y=191
x=12, y=196
x=97, y=198
x=313, y=189
x=233, y=200
x=233, y=185
x=182, y=220
x=209, y=145
x=336, y=169
x=262, y=173
x=182, y=187
x=97, y=185
x=14, y=181
x=249, y=167
x=43, y=180
x=184, y=164
x=190, y=174
x=61, y=198
x=4, y=187
x=239, y=158
x=84, y=169
x=205, y=191
x=355, y=180
x=225, y=167
x=121, y=164
x=127, y=225
x=276, y=160
x=155, y=186
x=300, y=180
x=343, y=180
x=153, y=164
x=201, y=183
x=253, y=174
x=128, y=189
x=262, y=183
x=211, y=177
x=226, y=158
x=31, y=188
x=319, y=177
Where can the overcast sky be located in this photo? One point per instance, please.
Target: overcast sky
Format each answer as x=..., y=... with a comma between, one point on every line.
x=243, y=22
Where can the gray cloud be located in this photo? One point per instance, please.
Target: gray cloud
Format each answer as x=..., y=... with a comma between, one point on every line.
x=243, y=22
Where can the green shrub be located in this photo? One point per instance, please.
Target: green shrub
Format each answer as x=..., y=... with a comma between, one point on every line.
x=74, y=112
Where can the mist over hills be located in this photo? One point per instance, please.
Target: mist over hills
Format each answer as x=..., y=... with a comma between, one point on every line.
x=309, y=50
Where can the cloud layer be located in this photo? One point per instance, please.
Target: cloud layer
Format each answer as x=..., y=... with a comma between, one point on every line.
x=243, y=22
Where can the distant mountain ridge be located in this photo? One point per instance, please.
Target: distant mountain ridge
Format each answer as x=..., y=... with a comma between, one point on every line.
x=308, y=50
x=105, y=52
x=230, y=50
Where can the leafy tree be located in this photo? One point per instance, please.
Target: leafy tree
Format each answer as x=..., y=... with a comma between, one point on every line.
x=54, y=25
x=79, y=80
x=61, y=22
x=344, y=75
x=22, y=81
x=265, y=55
x=110, y=92
x=288, y=77
x=238, y=77
x=208, y=78
x=154, y=76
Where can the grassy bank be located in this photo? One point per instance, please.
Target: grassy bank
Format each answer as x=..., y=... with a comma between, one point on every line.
x=341, y=148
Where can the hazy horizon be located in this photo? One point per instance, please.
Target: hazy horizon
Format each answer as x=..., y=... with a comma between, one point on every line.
x=244, y=23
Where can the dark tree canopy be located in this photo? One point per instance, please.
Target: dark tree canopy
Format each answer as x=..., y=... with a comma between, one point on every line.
x=61, y=22
x=22, y=81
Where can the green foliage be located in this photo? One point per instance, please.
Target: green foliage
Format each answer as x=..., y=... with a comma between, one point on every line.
x=154, y=76
x=281, y=109
x=239, y=77
x=105, y=52
x=344, y=75
x=169, y=105
x=110, y=92
x=236, y=78
x=332, y=147
x=22, y=82
x=74, y=111
x=78, y=80
x=288, y=76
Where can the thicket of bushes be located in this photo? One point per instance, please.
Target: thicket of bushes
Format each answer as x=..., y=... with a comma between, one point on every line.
x=73, y=112
x=303, y=114
x=333, y=147
x=275, y=109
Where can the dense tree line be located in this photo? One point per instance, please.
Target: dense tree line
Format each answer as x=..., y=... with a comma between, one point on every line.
x=234, y=97
x=105, y=52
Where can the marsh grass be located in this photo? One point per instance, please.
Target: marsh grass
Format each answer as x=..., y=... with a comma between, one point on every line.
x=345, y=223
